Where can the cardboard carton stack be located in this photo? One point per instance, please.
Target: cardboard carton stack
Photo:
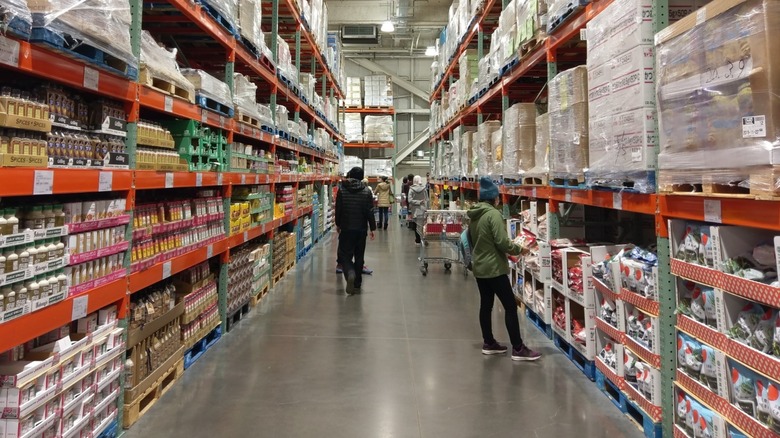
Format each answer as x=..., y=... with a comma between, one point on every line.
x=353, y=128
x=519, y=140
x=718, y=96
x=378, y=129
x=621, y=97
x=568, y=110
x=485, y=149
x=353, y=94
x=378, y=91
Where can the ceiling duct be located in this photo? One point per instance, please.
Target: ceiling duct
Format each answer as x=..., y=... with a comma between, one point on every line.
x=359, y=34
x=405, y=9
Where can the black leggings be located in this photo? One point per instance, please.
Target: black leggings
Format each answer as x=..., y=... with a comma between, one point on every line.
x=501, y=287
x=413, y=225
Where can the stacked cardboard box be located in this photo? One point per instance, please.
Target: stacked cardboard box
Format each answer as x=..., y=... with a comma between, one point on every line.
x=353, y=127
x=378, y=91
x=568, y=109
x=485, y=149
x=621, y=97
x=378, y=129
x=519, y=140
x=353, y=93
x=718, y=89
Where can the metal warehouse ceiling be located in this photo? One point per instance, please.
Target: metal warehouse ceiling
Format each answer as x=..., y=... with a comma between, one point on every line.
x=417, y=23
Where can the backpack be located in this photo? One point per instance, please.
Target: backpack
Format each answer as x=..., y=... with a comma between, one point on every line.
x=465, y=248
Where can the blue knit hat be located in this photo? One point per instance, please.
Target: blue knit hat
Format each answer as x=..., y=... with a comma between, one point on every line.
x=487, y=190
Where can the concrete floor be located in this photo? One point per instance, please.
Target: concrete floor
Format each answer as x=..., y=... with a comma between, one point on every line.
x=400, y=360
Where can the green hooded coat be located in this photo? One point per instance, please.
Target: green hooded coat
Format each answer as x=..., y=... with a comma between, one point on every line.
x=490, y=243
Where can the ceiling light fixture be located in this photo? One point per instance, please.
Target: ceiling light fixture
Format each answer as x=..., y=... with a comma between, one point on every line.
x=431, y=51
x=388, y=26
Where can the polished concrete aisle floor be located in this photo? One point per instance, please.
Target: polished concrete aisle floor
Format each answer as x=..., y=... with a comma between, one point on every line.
x=402, y=359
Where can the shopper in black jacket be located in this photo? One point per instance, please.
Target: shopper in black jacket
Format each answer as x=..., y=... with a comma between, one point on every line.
x=354, y=219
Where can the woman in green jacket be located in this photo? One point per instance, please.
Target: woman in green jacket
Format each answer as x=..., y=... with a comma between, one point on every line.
x=490, y=246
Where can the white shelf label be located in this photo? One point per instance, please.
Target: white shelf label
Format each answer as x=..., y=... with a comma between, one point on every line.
x=9, y=52
x=222, y=121
x=584, y=34
x=91, y=78
x=169, y=180
x=754, y=127
x=617, y=201
x=105, y=181
x=219, y=179
x=243, y=179
x=198, y=180
x=80, y=305
x=43, y=184
x=568, y=196
x=204, y=116
x=169, y=104
x=166, y=270
x=246, y=236
x=210, y=251
x=257, y=179
x=712, y=211
x=533, y=192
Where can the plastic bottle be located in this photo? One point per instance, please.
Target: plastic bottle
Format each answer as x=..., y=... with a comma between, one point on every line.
x=129, y=382
x=55, y=285
x=45, y=287
x=59, y=215
x=33, y=251
x=12, y=262
x=43, y=252
x=48, y=216
x=12, y=221
x=60, y=248
x=3, y=224
x=51, y=247
x=2, y=302
x=2, y=263
x=22, y=296
x=10, y=300
x=34, y=218
x=34, y=289
x=62, y=279
x=24, y=258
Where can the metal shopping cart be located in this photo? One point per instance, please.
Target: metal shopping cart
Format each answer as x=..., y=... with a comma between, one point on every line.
x=440, y=232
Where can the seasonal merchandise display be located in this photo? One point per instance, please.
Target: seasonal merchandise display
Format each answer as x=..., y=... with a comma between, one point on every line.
x=65, y=382
x=166, y=229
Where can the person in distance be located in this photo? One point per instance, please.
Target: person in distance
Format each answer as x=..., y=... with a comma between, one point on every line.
x=418, y=205
x=384, y=199
x=490, y=246
x=354, y=219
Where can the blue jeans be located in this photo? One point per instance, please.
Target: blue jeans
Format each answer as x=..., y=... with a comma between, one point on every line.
x=384, y=217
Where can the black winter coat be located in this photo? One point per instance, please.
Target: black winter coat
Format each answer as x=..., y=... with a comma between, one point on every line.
x=355, y=207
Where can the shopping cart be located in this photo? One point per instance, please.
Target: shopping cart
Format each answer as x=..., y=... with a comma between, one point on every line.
x=403, y=210
x=440, y=232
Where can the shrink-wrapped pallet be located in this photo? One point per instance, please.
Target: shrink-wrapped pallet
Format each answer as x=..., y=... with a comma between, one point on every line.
x=208, y=86
x=484, y=157
x=353, y=127
x=161, y=63
x=519, y=139
x=378, y=129
x=541, y=151
x=568, y=106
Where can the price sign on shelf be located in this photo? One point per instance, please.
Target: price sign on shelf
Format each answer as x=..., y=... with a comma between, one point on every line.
x=105, y=181
x=219, y=179
x=533, y=192
x=246, y=236
x=169, y=180
x=9, y=52
x=198, y=179
x=712, y=212
x=91, y=78
x=210, y=251
x=169, y=104
x=567, y=196
x=617, y=201
x=166, y=272
x=80, y=305
x=243, y=178
x=43, y=182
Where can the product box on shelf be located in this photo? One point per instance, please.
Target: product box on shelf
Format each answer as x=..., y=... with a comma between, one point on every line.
x=754, y=394
x=718, y=114
x=694, y=419
x=620, y=27
x=643, y=379
x=642, y=330
x=610, y=352
x=581, y=333
x=703, y=363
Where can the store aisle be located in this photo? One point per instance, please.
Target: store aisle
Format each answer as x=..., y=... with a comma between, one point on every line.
x=400, y=360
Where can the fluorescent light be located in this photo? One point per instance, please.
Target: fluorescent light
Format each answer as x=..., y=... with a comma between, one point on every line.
x=431, y=51
x=388, y=26
x=420, y=154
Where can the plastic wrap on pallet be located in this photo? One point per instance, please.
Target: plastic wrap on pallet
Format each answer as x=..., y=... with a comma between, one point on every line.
x=495, y=166
x=378, y=90
x=353, y=94
x=519, y=139
x=378, y=167
x=12, y=10
x=530, y=14
x=250, y=16
x=228, y=9
x=719, y=95
x=467, y=153
x=353, y=127
x=568, y=105
x=348, y=162
x=266, y=117
x=557, y=10
x=622, y=150
x=621, y=26
x=378, y=129
x=484, y=155
x=162, y=62
x=104, y=24
x=208, y=86
x=244, y=95
x=541, y=147
x=308, y=84
x=282, y=115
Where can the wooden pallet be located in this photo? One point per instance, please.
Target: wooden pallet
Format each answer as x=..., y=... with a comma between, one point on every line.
x=247, y=119
x=138, y=407
x=760, y=183
x=531, y=45
x=147, y=77
x=255, y=300
x=568, y=181
x=537, y=180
